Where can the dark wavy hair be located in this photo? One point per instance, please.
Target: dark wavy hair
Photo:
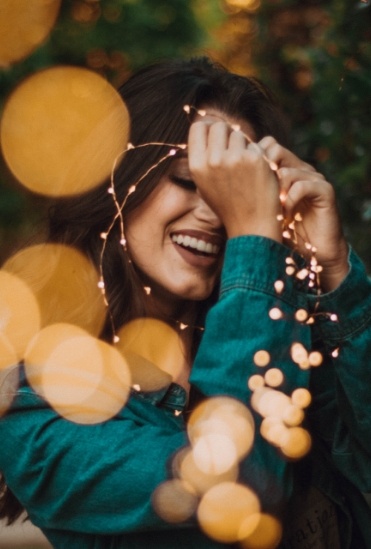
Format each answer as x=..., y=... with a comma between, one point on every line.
x=155, y=97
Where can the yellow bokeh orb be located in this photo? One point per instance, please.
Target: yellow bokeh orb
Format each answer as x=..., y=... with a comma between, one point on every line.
x=154, y=351
x=174, y=501
x=186, y=467
x=9, y=373
x=62, y=129
x=19, y=314
x=84, y=379
x=64, y=282
x=24, y=25
x=223, y=510
x=265, y=532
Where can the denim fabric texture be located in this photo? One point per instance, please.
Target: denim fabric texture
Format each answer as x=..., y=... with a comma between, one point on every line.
x=90, y=486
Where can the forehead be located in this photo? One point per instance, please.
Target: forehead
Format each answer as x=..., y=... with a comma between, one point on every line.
x=214, y=115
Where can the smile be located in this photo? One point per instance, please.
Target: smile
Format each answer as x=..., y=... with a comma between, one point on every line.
x=196, y=244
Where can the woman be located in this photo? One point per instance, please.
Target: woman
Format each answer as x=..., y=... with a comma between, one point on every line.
x=210, y=214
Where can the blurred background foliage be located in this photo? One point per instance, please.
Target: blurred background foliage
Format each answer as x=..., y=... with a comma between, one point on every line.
x=315, y=55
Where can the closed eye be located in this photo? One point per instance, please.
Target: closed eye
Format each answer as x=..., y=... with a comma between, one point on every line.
x=187, y=184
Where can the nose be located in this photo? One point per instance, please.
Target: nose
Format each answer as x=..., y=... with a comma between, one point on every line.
x=203, y=212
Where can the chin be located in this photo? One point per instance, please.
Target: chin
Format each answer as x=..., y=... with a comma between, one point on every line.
x=193, y=294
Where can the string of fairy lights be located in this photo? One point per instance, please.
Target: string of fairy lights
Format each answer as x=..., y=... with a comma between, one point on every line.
x=310, y=272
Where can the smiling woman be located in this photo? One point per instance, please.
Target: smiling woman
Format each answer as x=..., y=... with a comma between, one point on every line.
x=239, y=318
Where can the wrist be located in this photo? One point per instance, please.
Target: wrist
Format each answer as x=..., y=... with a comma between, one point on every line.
x=267, y=230
x=336, y=271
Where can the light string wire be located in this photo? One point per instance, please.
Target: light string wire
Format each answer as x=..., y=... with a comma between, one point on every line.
x=289, y=228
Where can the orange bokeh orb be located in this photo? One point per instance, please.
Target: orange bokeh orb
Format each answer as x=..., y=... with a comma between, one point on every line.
x=62, y=129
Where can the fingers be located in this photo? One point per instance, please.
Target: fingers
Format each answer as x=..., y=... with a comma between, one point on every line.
x=281, y=156
x=288, y=176
x=234, y=178
x=318, y=193
x=214, y=143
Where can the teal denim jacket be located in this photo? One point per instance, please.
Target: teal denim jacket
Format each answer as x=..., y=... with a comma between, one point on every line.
x=91, y=486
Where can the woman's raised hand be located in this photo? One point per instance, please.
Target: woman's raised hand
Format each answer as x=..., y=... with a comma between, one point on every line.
x=305, y=191
x=234, y=179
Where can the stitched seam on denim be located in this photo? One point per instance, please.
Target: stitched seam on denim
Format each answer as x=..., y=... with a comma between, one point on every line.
x=345, y=330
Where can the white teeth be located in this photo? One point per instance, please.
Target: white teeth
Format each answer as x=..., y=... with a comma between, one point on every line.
x=196, y=244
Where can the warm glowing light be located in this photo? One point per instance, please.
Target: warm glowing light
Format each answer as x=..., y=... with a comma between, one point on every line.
x=24, y=25
x=301, y=397
x=302, y=274
x=8, y=355
x=315, y=358
x=19, y=317
x=279, y=286
x=224, y=508
x=264, y=532
x=250, y=5
x=214, y=453
x=301, y=315
x=223, y=416
x=255, y=381
x=155, y=343
x=293, y=416
x=296, y=443
x=64, y=282
x=270, y=402
x=62, y=129
x=300, y=355
x=273, y=430
x=290, y=270
x=262, y=358
x=187, y=468
x=9, y=373
x=174, y=501
x=275, y=313
x=84, y=379
x=274, y=377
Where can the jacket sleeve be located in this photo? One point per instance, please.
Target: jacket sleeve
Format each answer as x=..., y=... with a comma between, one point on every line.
x=88, y=478
x=237, y=327
x=341, y=387
x=85, y=478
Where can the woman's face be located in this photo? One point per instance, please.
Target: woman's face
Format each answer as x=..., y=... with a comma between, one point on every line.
x=175, y=239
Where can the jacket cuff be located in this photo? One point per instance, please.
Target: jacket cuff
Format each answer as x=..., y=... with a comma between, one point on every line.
x=256, y=263
x=350, y=302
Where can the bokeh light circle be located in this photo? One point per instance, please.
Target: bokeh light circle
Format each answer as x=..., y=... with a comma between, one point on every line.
x=9, y=373
x=296, y=443
x=187, y=469
x=174, y=501
x=265, y=532
x=24, y=24
x=19, y=313
x=222, y=416
x=62, y=129
x=83, y=378
x=154, y=351
x=224, y=508
x=64, y=282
